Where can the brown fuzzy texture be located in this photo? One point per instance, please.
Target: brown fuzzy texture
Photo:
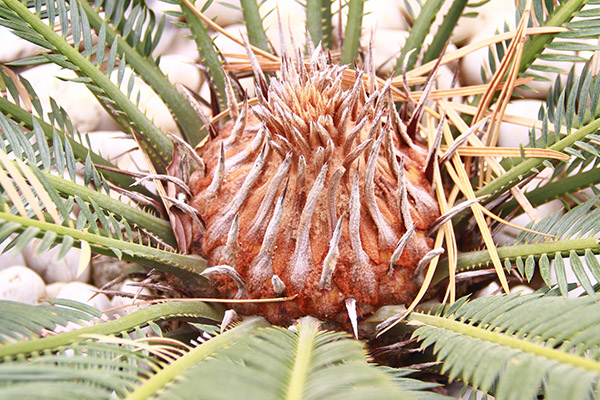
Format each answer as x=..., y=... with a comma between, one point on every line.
x=310, y=101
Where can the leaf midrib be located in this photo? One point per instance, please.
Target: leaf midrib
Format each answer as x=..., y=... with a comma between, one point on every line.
x=304, y=352
x=504, y=340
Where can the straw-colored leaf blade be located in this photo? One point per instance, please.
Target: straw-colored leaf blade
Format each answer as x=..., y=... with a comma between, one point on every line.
x=461, y=179
x=511, y=152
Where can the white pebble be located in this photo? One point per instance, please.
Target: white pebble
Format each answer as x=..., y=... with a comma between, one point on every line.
x=53, y=270
x=119, y=149
x=53, y=289
x=226, y=45
x=521, y=289
x=127, y=302
x=492, y=289
x=180, y=69
x=383, y=14
x=444, y=78
x=79, y=103
x=83, y=293
x=489, y=22
x=181, y=44
x=513, y=135
x=10, y=258
x=14, y=48
x=226, y=12
x=293, y=21
x=19, y=283
x=105, y=269
x=387, y=44
x=491, y=16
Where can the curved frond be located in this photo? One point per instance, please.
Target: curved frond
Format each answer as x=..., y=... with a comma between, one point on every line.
x=276, y=363
x=434, y=50
x=20, y=321
x=38, y=204
x=565, y=13
x=87, y=64
x=531, y=166
x=26, y=110
x=186, y=267
x=86, y=370
x=516, y=346
x=576, y=226
x=48, y=317
x=570, y=235
x=30, y=207
x=26, y=179
x=569, y=106
x=82, y=363
x=134, y=40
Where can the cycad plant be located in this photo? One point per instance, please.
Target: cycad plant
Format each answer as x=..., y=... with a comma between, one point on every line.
x=334, y=205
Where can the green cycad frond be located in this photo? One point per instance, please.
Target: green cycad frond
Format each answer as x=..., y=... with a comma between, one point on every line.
x=21, y=321
x=37, y=204
x=516, y=345
x=45, y=127
x=531, y=166
x=50, y=317
x=87, y=370
x=210, y=56
x=573, y=228
x=569, y=14
x=276, y=363
x=76, y=364
x=572, y=236
x=319, y=22
x=574, y=105
x=136, y=37
x=135, y=22
x=581, y=139
x=49, y=185
x=248, y=361
x=546, y=14
x=40, y=193
x=352, y=33
x=187, y=267
x=87, y=65
x=254, y=24
x=582, y=220
x=569, y=106
x=418, y=32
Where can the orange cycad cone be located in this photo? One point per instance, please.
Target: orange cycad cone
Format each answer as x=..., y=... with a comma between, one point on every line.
x=318, y=191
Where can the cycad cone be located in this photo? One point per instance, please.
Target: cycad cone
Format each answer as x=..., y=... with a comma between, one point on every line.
x=311, y=193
